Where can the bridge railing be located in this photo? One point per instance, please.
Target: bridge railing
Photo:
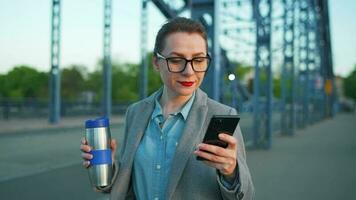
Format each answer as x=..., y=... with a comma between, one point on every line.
x=35, y=108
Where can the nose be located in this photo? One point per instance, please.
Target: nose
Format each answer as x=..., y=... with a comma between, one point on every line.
x=188, y=69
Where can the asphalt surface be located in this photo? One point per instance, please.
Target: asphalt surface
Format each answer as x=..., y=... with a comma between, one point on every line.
x=316, y=163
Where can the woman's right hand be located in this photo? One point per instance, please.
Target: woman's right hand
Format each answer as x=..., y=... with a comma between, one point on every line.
x=86, y=156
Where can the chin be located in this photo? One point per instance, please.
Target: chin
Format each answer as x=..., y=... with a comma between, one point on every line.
x=185, y=91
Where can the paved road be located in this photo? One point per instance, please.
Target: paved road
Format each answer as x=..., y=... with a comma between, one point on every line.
x=317, y=163
x=45, y=165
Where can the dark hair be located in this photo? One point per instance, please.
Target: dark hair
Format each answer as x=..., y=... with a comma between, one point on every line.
x=178, y=24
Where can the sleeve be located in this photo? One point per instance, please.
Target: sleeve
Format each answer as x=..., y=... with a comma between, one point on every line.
x=229, y=183
x=242, y=187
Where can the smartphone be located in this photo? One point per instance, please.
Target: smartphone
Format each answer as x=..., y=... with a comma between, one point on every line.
x=220, y=124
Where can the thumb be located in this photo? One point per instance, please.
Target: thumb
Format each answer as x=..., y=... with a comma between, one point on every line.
x=113, y=144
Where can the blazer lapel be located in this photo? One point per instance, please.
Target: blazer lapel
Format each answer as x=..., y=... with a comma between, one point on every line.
x=138, y=124
x=191, y=133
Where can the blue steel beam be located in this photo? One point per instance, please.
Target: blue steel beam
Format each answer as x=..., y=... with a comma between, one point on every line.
x=107, y=59
x=165, y=9
x=304, y=6
x=54, y=84
x=262, y=114
x=326, y=56
x=287, y=77
x=144, y=60
x=312, y=62
x=206, y=12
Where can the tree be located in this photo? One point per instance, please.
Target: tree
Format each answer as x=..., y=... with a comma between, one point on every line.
x=154, y=79
x=2, y=85
x=25, y=82
x=72, y=82
x=350, y=85
x=124, y=82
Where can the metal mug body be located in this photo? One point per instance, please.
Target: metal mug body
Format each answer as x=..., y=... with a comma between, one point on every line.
x=99, y=138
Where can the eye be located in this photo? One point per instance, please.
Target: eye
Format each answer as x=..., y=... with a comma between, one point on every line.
x=175, y=60
x=199, y=59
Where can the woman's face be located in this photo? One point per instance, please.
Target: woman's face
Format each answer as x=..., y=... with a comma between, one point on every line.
x=186, y=45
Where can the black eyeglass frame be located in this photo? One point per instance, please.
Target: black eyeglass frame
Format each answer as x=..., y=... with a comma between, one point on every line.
x=186, y=62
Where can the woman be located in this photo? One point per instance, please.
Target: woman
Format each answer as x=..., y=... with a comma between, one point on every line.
x=163, y=133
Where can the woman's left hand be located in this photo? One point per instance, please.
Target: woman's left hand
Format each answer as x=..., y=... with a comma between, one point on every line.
x=220, y=158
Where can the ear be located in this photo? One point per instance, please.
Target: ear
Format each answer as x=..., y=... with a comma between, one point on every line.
x=155, y=63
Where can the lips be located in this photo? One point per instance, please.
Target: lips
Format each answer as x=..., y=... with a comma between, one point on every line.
x=186, y=83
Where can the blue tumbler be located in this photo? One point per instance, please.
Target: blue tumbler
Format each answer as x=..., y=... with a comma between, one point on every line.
x=97, y=133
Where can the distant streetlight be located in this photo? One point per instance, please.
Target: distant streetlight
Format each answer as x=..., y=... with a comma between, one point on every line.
x=231, y=77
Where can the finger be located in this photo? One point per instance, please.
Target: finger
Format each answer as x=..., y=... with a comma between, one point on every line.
x=113, y=144
x=87, y=156
x=230, y=140
x=86, y=163
x=216, y=150
x=210, y=157
x=85, y=148
x=217, y=166
x=84, y=141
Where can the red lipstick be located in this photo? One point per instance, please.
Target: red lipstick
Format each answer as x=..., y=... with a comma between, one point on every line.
x=186, y=83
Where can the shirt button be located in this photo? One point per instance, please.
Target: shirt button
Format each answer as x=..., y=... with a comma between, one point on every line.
x=156, y=198
x=158, y=166
x=161, y=137
x=176, y=143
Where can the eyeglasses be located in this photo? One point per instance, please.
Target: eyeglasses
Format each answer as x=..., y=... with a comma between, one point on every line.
x=178, y=64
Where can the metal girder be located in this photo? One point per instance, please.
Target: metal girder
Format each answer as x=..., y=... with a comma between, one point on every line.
x=206, y=11
x=54, y=84
x=303, y=79
x=326, y=56
x=288, y=71
x=313, y=64
x=165, y=9
x=262, y=114
x=144, y=61
x=107, y=59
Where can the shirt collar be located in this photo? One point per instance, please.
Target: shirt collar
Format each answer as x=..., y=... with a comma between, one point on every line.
x=184, y=110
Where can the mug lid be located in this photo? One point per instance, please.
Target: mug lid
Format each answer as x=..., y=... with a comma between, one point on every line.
x=98, y=122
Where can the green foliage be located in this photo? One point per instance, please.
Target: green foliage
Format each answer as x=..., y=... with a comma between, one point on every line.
x=277, y=87
x=72, y=82
x=241, y=70
x=24, y=82
x=154, y=79
x=350, y=85
x=124, y=82
x=2, y=85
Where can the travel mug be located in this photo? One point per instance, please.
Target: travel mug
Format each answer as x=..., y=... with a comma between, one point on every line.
x=97, y=134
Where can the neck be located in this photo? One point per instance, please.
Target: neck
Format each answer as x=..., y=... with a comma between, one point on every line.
x=172, y=103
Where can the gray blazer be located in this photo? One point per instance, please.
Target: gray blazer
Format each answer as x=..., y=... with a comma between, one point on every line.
x=190, y=179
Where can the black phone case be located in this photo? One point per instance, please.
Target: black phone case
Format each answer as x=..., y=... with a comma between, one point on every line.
x=220, y=124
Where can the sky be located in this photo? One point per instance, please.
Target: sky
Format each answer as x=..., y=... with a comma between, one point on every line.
x=25, y=33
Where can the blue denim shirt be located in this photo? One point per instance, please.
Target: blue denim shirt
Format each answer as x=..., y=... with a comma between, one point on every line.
x=153, y=159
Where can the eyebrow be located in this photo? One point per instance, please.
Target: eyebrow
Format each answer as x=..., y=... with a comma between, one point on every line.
x=182, y=55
